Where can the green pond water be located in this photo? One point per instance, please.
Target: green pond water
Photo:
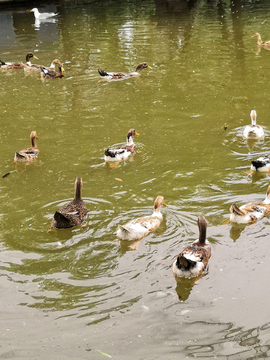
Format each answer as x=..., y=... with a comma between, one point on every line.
x=78, y=293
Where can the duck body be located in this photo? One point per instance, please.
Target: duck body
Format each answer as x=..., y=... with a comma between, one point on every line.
x=72, y=214
x=51, y=74
x=193, y=260
x=28, y=155
x=121, y=75
x=253, y=131
x=251, y=212
x=259, y=40
x=140, y=227
x=44, y=15
x=122, y=152
x=17, y=65
x=262, y=164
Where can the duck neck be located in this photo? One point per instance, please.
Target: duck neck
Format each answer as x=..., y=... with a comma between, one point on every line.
x=78, y=190
x=130, y=141
x=202, y=233
x=33, y=142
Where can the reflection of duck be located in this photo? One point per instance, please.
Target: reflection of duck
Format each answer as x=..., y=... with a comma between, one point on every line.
x=120, y=75
x=51, y=74
x=194, y=258
x=250, y=212
x=35, y=67
x=253, y=131
x=122, y=152
x=44, y=15
x=259, y=40
x=17, y=65
x=27, y=155
x=261, y=164
x=137, y=228
x=73, y=213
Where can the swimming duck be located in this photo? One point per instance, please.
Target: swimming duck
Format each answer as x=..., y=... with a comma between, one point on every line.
x=253, y=131
x=51, y=74
x=193, y=260
x=262, y=164
x=17, y=65
x=27, y=155
x=259, y=40
x=44, y=15
x=137, y=228
x=122, y=152
x=35, y=67
x=250, y=212
x=72, y=214
x=120, y=75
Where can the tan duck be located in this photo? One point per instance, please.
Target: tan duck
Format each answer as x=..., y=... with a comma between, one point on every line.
x=137, y=228
x=193, y=260
x=122, y=152
x=259, y=40
x=72, y=214
x=17, y=65
x=122, y=76
x=51, y=74
x=27, y=155
x=251, y=212
x=36, y=67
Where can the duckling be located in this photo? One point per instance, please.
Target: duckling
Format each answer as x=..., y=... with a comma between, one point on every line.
x=120, y=75
x=16, y=65
x=44, y=15
x=27, y=155
x=137, y=228
x=51, y=74
x=262, y=164
x=253, y=131
x=36, y=67
x=193, y=260
x=251, y=212
x=259, y=40
x=72, y=214
x=122, y=152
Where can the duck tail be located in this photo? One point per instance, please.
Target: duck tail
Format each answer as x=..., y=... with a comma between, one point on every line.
x=123, y=229
x=234, y=209
x=185, y=264
x=103, y=73
x=257, y=164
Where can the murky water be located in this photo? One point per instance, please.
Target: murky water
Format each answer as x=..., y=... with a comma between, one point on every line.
x=79, y=292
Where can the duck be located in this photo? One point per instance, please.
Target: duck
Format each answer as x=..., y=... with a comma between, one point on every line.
x=72, y=214
x=122, y=152
x=193, y=260
x=253, y=131
x=51, y=74
x=140, y=227
x=122, y=76
x=259, y=40
x=28, y=155
x=17, y=65
x=262, y=164
x=36, y=67
x=251, y=212
x=44, y=15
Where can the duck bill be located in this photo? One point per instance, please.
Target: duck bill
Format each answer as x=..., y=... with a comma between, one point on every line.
x=137, y=134
x=149, y=67
x=164, y=204
x=35, y=57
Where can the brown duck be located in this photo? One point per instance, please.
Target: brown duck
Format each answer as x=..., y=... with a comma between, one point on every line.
x=72, y=214
x=27, y=155
x=17, y=65
x=51, y=74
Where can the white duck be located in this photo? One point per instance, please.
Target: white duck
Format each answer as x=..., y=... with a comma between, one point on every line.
x=262, y=164
x=253, y=131
x=137, y=228
x=250, y=212
x=193, y=260
x=122, y=152
x=44, y=15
